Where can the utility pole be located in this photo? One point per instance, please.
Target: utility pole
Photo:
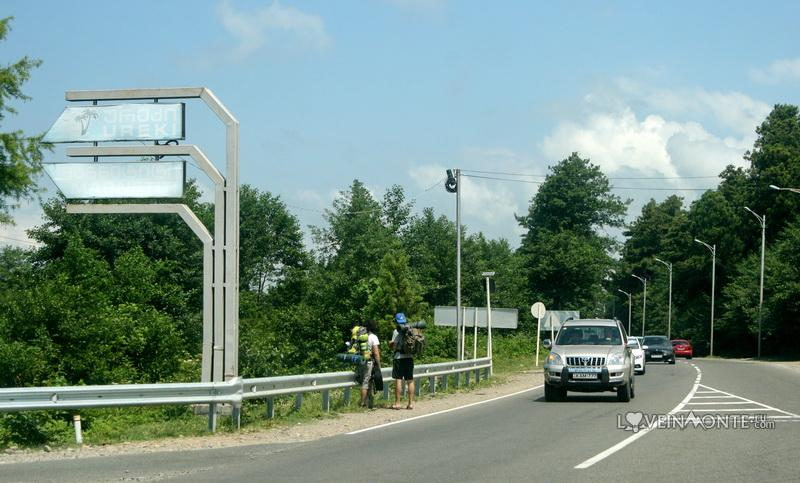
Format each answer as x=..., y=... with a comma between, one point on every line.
x=453, y=185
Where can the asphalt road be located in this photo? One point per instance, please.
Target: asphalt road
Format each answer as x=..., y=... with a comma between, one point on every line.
x=521, y=438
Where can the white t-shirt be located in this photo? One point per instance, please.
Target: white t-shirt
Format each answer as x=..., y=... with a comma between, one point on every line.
x=372, y=341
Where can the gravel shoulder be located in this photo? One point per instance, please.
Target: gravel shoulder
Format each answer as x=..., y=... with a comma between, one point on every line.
x=296, y=433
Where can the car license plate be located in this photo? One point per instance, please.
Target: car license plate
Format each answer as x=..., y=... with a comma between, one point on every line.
x=656, y=356
x=584, y=375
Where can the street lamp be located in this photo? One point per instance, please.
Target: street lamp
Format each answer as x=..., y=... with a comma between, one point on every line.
x=453, y=185
x=713, y=250
x=629, y=308
x=488, y=275
x=793, y=190
x=644, y=300
x=669, y=310
x=763, y=220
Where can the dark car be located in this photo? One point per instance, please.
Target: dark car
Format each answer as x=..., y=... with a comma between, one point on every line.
x=658, y=348
x=682, y=348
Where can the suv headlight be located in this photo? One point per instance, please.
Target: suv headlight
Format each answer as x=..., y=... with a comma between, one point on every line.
x=615, y=359
x=554, y=359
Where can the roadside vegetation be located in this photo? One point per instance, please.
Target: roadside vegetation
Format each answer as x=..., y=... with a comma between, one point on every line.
x=117, y=298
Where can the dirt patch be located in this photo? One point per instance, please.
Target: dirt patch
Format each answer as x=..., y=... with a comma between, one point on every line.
x=299, y=432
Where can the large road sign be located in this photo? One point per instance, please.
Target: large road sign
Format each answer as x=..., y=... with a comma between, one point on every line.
x=123, y=122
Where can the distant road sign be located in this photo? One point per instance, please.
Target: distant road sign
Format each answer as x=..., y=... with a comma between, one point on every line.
x=139, y=179
x=538, y=310
x=553, y=319
x=501, y=318
x=123, y=122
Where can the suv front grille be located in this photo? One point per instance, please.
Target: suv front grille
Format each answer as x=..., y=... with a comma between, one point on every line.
x=586, y=361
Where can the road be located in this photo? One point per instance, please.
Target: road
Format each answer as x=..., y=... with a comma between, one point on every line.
x=519, y=438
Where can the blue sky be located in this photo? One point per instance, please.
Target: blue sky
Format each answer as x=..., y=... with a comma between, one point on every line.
x=395, y=91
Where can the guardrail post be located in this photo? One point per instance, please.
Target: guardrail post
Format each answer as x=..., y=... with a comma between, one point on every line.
x=212, y=417
x=445, y=379
x=418, y=388
x=346, y=396
x=326, y=400
x=487, y=372
x=458, y=380
x=270, y=407
x=236, y=415
x=466, y=378
x=432, y=384
x=298, y=401
x=76, y=421
x=386, y=388
x=477, y=376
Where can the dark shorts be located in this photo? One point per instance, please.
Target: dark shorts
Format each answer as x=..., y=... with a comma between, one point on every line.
x=403, y=369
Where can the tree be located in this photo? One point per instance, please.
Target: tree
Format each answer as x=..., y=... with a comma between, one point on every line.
x=565, y=258
x=20, y=155
x=271, y=240
x=394, y=289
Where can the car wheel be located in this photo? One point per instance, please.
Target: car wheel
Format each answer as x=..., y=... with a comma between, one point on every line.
x=549, y=393
x=644, y=369
x=624, y=393
x=672, y=361
x=633, y=389
x=688, y=357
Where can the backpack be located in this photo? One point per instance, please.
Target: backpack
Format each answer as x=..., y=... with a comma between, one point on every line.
x=413, y=342
x=359, y=342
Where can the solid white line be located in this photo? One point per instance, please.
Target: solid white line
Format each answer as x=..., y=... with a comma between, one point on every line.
x=630, y=439
x=443, y=411
x=754, y=402
x=714, y=397
x=701, y=410
x=720, y=402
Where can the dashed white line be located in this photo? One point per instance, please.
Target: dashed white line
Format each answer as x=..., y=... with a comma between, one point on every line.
x=392, y=423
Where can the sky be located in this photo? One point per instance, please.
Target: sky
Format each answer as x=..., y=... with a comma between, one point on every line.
x=397, y=91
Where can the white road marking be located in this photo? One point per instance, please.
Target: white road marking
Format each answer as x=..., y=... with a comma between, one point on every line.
x=765, y=406
x=443, y=411
x=630, y=439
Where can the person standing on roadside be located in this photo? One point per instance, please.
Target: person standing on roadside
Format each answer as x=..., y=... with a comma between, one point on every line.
x=374, y=359
x=402, y=364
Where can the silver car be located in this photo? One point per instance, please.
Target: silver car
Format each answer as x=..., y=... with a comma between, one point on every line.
x=589, y=355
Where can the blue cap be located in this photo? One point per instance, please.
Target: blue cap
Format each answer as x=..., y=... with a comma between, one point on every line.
x=400, y=318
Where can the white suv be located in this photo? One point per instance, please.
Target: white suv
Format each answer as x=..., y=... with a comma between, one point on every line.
x=589, y=355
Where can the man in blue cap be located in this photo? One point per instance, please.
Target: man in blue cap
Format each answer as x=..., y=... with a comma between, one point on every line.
x=402, y=364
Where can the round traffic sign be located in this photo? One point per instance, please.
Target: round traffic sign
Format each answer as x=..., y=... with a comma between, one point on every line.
x=538, y=310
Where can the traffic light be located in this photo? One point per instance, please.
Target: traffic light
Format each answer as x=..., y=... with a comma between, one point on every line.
x=451, y=185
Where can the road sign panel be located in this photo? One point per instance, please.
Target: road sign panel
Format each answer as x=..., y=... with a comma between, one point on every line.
x=123, y=122
x=139, y=179
x=501, y=318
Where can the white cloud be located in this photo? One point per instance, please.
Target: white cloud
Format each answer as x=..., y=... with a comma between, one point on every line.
x=652, y=146
x=260, y=28
x=782, y=70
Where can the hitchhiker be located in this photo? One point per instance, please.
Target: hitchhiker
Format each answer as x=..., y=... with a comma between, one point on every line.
x=374, y=360
x=402, y=363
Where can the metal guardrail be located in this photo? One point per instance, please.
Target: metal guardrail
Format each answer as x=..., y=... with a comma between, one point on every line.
x=230, y=392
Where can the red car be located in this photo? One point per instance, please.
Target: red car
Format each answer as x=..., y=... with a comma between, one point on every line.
x=682, y=348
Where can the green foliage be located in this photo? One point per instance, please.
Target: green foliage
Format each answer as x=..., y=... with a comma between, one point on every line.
x=20, y=155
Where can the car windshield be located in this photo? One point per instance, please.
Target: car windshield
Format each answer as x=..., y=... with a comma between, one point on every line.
x=633, y=343
x=656, y=340
x=589, y=335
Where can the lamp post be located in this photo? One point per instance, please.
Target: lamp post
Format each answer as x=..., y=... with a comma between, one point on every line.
x=793, y=190
x=488, y=275
x=629, y=308
x=644, y=301
x=713, y=250
x=453, y=185
x=763, y=220
x=669, y=310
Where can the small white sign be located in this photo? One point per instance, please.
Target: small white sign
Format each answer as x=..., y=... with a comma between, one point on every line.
x=538, y=310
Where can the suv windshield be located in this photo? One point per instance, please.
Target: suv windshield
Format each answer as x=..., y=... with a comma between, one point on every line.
x=589, y=335
x=656, y=340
